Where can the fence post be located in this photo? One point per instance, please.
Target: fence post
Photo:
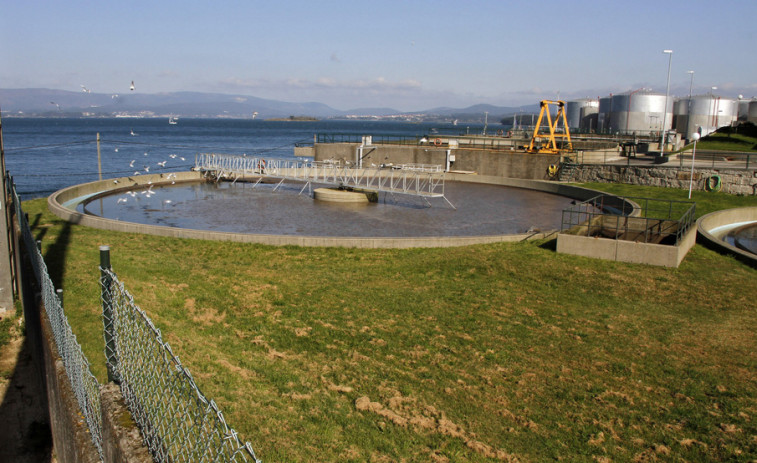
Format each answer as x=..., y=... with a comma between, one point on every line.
x=107, y=302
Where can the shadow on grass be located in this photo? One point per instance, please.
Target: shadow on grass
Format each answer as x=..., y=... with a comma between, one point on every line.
x=55, y=257
x=549, y=245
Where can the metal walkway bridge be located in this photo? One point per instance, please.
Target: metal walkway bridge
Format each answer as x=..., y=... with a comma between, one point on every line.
x=422, y=180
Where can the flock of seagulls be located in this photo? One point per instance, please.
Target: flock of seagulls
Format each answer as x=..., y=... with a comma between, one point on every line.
x=149, y=192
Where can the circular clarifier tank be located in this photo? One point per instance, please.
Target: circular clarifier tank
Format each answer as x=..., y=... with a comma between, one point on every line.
x=744, y=237
x=288, y=209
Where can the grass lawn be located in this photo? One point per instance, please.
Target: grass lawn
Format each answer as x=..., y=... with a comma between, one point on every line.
x=501, y=352
x=726, y=142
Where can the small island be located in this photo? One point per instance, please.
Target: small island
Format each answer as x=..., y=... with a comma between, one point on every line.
x=293, y=118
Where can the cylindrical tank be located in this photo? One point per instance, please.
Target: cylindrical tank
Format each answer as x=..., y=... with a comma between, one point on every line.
x=576, y=110
x=641, y=112
x=744, y=108
x=707, y=113
x=681, y=115
x=752, y=115
x=603, y=117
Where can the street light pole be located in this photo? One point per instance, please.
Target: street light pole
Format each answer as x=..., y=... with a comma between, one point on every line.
x=688, y=117
x=665, y=109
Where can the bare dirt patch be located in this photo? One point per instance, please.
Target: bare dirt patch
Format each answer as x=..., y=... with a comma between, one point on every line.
x=406, y=412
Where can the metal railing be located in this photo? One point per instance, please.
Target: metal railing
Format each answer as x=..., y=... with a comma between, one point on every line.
x=422, y=180
x=632, y=219
x=85, y=386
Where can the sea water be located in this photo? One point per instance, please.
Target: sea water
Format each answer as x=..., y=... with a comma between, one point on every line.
x=46, y=154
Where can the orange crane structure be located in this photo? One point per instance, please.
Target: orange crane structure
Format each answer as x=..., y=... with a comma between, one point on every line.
x=536, y=145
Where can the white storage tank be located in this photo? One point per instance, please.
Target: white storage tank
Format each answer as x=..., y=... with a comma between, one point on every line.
x=744, y=108
x=752, y=114
x=577, y=110
x=707, y=113
x=603, y=117
x=641, y=112
x=681, y=115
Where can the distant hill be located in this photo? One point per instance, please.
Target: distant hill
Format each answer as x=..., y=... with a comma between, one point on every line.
x=51, y=103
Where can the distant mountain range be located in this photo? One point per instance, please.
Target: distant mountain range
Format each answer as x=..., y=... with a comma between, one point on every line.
x=40, y=102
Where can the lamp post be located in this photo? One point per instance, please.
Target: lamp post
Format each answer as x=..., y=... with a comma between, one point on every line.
x=665, y=109
x=693, y=156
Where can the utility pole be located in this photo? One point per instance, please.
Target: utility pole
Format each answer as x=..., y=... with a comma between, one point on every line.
x=6, y=265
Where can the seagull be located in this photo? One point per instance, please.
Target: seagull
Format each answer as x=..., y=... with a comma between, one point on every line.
x=132, y=86
x=132, y=132
x=133, y=194
x=131, y=164
x=182, y=159
x=162, y=164
x=136, y=172
x=145, y=153
x=172, y=156
x=147, y=168
x=116, y=150
x=115, y=181
x=85, y=89
x=121, y=200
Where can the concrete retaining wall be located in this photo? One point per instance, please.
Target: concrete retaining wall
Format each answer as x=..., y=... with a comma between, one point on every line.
x=627, y=251
x=122, y=442
x=483, y=162
x=738, y=182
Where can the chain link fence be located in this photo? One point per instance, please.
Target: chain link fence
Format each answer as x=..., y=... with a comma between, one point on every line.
x=85, y=386
x=177, y=422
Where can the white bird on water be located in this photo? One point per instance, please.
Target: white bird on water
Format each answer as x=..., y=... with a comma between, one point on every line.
x=121, y=200
x=162, y=164
x=172, y=156
x=131, y=164
x=147, y=168
x=85, y=89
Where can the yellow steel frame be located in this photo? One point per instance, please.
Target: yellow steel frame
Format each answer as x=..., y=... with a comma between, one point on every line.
x=553, y=135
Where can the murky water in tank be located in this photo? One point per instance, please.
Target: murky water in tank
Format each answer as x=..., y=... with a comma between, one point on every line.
x=241, y=208
x=744, y=238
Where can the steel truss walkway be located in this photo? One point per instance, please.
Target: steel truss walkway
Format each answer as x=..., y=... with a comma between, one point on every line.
x=425, y=181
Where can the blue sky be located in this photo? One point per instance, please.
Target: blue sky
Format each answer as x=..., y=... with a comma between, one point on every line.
x=407, y=55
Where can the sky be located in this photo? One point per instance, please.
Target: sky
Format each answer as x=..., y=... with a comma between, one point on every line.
x=406, y=55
